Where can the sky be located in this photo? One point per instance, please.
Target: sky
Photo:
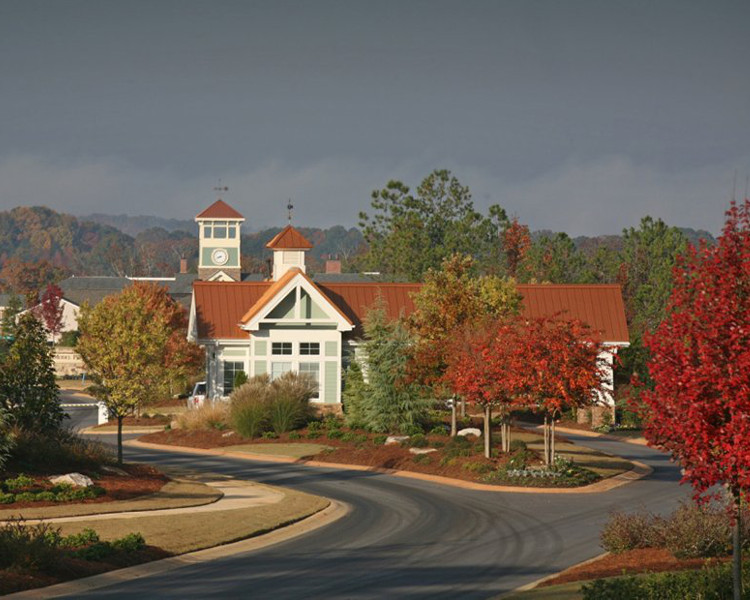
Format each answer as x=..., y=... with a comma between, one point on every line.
x=576, y=116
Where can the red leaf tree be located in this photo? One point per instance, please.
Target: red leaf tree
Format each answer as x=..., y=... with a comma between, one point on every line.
x=50, y=310
x=483, y=367
x=699, y=409
x=561, y=370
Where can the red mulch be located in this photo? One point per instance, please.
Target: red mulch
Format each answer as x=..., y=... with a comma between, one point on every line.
x=67, y=568
x=143, y=480
x=386, y=457
x=654, y=560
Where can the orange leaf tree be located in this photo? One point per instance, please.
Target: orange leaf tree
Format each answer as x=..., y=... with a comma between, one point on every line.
x=483, y=366
x=562, y=370
x=699, y=408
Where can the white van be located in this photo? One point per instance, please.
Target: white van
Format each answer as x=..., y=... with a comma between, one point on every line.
x=198, y=397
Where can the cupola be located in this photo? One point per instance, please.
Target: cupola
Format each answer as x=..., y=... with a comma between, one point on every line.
x=289, y=247
x=219, y=243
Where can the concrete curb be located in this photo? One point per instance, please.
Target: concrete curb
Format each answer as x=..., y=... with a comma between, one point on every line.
x=538, y=582
x=592, y=434
x=605, y=485
x=125, y=430
x=334, y=511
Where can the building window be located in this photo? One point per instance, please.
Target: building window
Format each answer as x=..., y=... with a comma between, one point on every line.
x=281, y=348
x=312, y=370
x=232, y=231
x=309, y=348
x=230, y=371
x=206, y=231
x=279, y=368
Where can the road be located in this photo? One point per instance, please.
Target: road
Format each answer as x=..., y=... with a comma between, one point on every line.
x=79, y=417
x=405, y=538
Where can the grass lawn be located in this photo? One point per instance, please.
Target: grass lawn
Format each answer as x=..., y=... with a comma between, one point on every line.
x=600, y=463
x=174, y=494
x=565, y=591
x=301, y=450
x=180, y=533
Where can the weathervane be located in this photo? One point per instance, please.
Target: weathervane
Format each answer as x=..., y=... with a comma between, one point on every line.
x=219, y=189
x=289, y=208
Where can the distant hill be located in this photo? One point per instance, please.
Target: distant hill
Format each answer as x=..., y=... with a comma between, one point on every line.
x=132, y=226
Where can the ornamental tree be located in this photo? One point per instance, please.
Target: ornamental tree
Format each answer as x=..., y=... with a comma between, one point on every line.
x=134, y=346
x=562, y=370
x=50, y=310
x=699, y=408
x=483, y=366
x=451, y=298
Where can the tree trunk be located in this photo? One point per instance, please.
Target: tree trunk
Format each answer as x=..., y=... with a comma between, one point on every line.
x=454, y=428
x=552, y=442
x=119, y=439
x=546, y=440
x=487, y=432
x=463, y=408
x=737, y=548
x=507, y=434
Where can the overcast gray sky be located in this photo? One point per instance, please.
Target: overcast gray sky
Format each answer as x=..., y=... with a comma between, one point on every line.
x=580, y=116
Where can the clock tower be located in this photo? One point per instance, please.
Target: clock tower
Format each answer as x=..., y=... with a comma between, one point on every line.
x=219, y=243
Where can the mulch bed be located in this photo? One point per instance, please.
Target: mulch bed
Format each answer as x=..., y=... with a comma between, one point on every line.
x=385, y=457
x=143, y=480
x=68, y=568
x=653, y=560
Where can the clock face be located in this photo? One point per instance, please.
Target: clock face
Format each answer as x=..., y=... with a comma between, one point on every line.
x=220, y=256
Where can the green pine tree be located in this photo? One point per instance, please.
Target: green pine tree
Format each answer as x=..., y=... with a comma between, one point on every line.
x=390, y=402
x=355, y=390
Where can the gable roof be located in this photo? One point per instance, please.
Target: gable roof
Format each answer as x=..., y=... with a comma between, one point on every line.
x=93, y=289
x=289, y=239
x=599, y=306
x=222, y=306
x=219, y=210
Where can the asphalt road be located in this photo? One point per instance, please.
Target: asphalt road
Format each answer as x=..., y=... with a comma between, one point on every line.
x=79, y=417
x=405, y=538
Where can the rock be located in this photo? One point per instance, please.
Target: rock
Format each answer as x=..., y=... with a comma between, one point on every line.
x=227, y=434
x=114, y=471
x=422, y=450
x=470, y=431
x=395, y=439
x=174, y=424
x=74, y=479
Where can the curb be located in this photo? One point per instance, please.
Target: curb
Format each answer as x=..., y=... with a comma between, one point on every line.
x=333, y=512
x=592, y=434
x=639, y=471
x=538, y=582
x=113, y=429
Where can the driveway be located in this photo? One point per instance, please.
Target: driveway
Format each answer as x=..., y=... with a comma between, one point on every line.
x=406, y=538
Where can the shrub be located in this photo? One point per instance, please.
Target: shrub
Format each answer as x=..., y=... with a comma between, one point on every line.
x=130, y=543
x=335, y=434
x=290, y=401
x=294, y=435
x=75, y=540
x=624, y=532
x=29, y=547
x=35, y=450
x=520, y=458
x=517, y=445
x=353, y=396
x=250, y=407
x=270, y=435
x=478, y=467
x=411, y=429
x=7, y=440
x=7, y=498
x=713, y=582
x=422, y=459
x=208, y=416
x=696, y=531
x=313, y=435
x=379, y=440
x=418, y=440
x=314, y=426
x=440, y=430
x=19, y=482
x=691, y=531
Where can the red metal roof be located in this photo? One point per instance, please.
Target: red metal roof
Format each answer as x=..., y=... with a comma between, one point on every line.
x=221, y=306
x=220, y=210
x=599, y=306
x=290, y=239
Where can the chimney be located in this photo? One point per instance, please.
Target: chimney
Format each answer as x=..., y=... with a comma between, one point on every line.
x=183, y=265
x=333, y=266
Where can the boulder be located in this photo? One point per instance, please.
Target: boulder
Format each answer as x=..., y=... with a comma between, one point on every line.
x=395, y=439
x=422, y=450
x=74, y=479
x=470, y=431
x=227, y=434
